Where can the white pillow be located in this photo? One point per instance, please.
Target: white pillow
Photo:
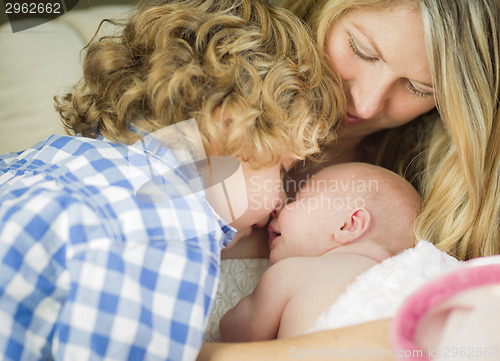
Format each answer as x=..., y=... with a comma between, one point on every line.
x=37, y=64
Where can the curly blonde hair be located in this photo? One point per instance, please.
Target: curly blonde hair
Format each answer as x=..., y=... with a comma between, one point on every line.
x=453, y=157
x=177, y=60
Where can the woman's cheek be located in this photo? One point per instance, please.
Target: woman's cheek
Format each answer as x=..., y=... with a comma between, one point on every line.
x=340, y=53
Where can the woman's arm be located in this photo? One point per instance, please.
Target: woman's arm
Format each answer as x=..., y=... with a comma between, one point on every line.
x=367, y=341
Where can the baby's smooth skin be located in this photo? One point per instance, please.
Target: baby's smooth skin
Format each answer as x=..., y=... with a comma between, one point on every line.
x=348, y=218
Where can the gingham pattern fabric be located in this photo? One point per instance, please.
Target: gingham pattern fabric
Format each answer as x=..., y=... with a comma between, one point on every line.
x=90, y=272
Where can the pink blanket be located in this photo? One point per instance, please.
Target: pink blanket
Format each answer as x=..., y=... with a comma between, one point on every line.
x=454, y=317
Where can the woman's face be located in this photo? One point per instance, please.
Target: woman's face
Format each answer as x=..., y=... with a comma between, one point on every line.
x=382, y=60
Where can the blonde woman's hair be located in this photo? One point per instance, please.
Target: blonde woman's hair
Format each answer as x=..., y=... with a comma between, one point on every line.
x=254, y=64
x=455, y=162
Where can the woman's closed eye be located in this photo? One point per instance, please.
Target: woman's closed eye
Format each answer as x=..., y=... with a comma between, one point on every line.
x=411, y=88
x=358, y=52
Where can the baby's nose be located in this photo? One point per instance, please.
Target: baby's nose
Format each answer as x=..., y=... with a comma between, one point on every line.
x=282, y=200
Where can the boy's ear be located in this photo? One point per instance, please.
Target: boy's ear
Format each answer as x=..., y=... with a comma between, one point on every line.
x=354, y=227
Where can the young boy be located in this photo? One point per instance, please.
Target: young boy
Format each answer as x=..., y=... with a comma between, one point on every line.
x=109, y=248
x=347, y=218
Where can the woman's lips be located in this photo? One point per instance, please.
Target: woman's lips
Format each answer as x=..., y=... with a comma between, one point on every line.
x=353, y=120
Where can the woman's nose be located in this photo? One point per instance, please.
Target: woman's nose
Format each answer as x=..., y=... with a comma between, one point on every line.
x=369, y=96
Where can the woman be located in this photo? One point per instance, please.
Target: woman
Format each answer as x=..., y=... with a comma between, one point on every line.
x=398, y=61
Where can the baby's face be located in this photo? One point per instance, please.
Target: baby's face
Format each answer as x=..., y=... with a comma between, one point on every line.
x=305, y=226
x=354, y=199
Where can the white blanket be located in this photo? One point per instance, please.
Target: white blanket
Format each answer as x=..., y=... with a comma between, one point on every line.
x=379, y=292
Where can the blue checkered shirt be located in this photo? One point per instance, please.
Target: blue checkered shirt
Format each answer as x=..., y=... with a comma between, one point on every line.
x=89, y=270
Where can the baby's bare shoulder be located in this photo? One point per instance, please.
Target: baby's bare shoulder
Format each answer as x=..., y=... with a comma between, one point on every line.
x=346, y=265
x=332, y=260
x=293, y=269
x=341, y=267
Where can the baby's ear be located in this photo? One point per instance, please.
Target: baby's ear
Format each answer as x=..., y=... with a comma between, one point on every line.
x=355, y=226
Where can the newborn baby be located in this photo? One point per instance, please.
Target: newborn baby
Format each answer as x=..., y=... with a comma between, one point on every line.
x=348, y=218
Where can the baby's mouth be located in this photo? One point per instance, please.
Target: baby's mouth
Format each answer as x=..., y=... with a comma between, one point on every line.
x=272, y=235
